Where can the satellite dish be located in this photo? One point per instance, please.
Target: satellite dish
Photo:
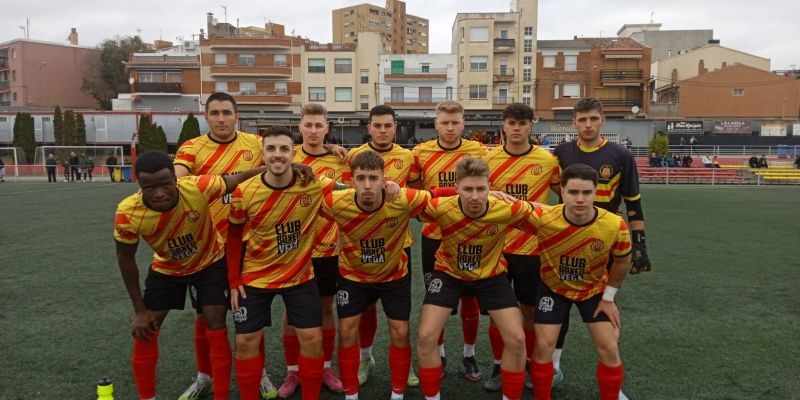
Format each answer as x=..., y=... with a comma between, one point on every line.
x=635, y=109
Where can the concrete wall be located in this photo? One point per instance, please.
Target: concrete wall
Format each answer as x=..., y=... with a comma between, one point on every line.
x=713, y=57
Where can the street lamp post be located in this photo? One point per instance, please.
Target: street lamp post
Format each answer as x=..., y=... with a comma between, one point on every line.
x=41, y=99
x=135, y=134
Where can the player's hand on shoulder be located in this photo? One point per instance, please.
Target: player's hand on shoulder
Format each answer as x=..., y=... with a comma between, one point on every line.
x=392, y=190
x=641, y=261
x=337, y=150
x=304, y=173
x=502, y=196
x=611, y=310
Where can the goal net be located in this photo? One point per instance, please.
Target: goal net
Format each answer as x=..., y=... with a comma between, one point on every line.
x=12, y=157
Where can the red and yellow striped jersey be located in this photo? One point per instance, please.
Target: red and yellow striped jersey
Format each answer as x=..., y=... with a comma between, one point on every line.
x=183, y=239
x=398, y=163
x=435, y=166
x=373, y=242
x=278, y=230
x=528, y=177
x=471, y=249
x=330, y=166
x=574, y=258
x=205, y=156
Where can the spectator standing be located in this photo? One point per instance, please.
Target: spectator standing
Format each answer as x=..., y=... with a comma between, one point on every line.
x=111, y=163
x=74, y=167
x=2, y=170
x=52, y=165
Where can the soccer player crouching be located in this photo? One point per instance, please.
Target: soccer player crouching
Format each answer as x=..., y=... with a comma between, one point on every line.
x=469, y=260
x=174, y=218
x=577, y=242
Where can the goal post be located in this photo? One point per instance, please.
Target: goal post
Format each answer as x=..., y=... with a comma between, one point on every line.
x=99, y=156
x=12, y=157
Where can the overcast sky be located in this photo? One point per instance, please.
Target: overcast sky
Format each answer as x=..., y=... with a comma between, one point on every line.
x=765, y=28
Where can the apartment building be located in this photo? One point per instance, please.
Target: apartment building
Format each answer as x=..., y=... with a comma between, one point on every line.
x=401, y=33
x=417, y=81
x=495, y=54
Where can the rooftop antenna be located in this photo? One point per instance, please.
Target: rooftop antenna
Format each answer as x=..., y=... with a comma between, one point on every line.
x=652, y=16
x=139, y=32
x=225, y=10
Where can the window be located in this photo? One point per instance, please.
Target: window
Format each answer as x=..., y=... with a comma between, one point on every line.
x=572, y=90
x=527, y=60
x=364, y=102
x=280, y=60
x=528, y=31
x=448, y=93
x=397, y=94
x=344, y=94
x=479, y=34
x=220, y=59
x=461, y=65
x=555, y=91
x=281, y=88
x=462, y=33
x=174, y=77
x=526, y=74
x=570, y=63
x=549, y=61
x=478, y=63
x=220, y=86
x=526, y=101
x=526, y=90
x=425, y=94
x=5, y=119
x=316, y=94
x=151, y=77
x=527, y=45
x=316, y=65
x=13, y=75
x=398, y=67
x=364, y=76
x=342, y=65
x=738, y=92
x=477, y=92
x=503, y=33
x=247, y=60
x=14, y=96
x=247, y=88
x=426, y=68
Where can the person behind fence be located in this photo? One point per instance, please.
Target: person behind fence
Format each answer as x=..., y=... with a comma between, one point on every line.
x=692, y=141
x=753, y=161
x=74, y=167
x=715, y=162
x=669, y=160
x=762, y=162
x=111, y=163
x=687, y=161
x=797, y=162
x=52, y=165
x=655, y=160
x=707, y=161
x=66, y=171
x=88, y=169
x=2, y=170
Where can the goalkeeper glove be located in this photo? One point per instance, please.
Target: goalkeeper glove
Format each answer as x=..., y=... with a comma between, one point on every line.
x=641, y=262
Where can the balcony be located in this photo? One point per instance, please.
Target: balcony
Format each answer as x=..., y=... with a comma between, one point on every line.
x=263, y=98
x=331, y=47
x=5, y=85
x=622, y=77
x=163, y=59
x=504, y=45
x=3, y=64
x=621, y=103
x=504, y=75
x=278, y=71
x=432, y=74
x=5, y=104
x=502, y=100
x=264, y=42
x=412, y=102
x=157, y=87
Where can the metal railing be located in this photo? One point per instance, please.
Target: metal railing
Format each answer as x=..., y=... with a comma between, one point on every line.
x=405, y=99
x=415, y=71
x=504, y=72
x=502, y=100
x=158, y=87
x=504, y=44
x=789, y=152
x=621, y=74
x=621, y=102
x=5, y=84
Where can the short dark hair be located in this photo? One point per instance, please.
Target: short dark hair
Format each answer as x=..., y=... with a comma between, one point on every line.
x=519, y=112
x=587, y=104
x=221, y=96
x=152, y=161
x=367, y=160
x=275, y=131
x=579, y=171
x=382, y=110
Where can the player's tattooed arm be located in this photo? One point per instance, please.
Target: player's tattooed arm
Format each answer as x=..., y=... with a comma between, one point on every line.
x=304, y=172
x=145, y=322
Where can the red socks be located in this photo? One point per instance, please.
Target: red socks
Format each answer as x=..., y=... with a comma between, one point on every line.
x=431, y=380
x=530, y=343
x=512, y=383
x=470, y=318
x=496, y=340
x=328, y=342
x=399, y=362
x=291, y=349
x=248, y=376
x=349, y=358
x=202, y=350
x=367, y=327
x=143, y=361
x=542, y=376
x=609, y=379
x=220, y=362
x=311, y=376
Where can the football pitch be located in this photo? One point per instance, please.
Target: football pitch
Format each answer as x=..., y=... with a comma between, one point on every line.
x=717, y=318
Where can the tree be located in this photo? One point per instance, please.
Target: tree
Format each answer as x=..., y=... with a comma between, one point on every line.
x=151, y=136
x=70, y=135
x=24, y=135
x=102, y=78
x=58, y=126
x=80, y=130
x=190, y=129
x=659, y=144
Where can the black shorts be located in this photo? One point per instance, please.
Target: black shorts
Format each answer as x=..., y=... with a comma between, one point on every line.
x=523, y=272
x=554, y=308
x=207, y=287
x=326, y=270
x=301, y=303
x=493, y=293
x=353, y=298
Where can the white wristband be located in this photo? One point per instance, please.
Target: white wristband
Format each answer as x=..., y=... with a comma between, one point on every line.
x=610, y=293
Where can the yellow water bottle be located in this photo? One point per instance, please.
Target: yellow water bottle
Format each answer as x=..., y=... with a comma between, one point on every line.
x=105, y=390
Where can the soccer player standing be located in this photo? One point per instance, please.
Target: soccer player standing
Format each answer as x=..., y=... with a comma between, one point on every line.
x=577, y=242
x=618, y=181
x=398, y=163
x=435, y=163
x=526, y=172
x=470, y=259
x=173, y=216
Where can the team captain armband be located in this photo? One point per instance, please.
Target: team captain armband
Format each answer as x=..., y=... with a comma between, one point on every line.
x=634, y=208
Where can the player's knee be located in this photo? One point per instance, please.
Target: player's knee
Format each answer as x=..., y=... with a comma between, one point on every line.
x=608, y=352
x=247, y=345
x=545, y=345
x=515, y=342
x=348, y=334
x=399, y=335
x=427, y=339
x=310, y=340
